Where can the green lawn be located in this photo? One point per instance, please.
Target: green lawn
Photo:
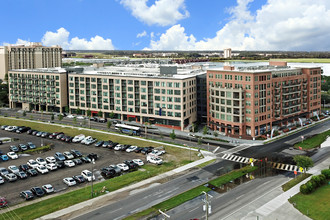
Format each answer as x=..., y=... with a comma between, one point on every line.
x=315, y=205
x=295, y=181
x=313, y=142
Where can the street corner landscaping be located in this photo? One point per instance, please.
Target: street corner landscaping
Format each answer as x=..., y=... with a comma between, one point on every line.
x=313, y=142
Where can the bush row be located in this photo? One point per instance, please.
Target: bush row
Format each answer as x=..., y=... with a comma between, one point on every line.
x=315, y=182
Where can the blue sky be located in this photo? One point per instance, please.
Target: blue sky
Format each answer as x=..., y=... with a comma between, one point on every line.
x=169, y=24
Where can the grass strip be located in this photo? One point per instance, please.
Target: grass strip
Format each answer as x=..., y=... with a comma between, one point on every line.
x=170, y=203
x=226, y=178
x=295, y=181
x=206, y=163
x=315, y=205
x=314, y=141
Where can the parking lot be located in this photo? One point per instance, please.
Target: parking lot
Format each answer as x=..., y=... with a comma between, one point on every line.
x=11, y=190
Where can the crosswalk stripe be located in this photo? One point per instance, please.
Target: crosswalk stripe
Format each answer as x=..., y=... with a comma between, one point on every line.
x=234, y=158
x=287, y=167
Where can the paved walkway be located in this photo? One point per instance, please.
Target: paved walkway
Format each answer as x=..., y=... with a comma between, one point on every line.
x=89, y=203
x=279, y=207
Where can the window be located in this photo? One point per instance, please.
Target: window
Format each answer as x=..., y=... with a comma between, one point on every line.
x=157, y=98
x=256, y=78
x=169, y=84
x=177, y=99
x=177, y=107
x=177, y=85
x=157, y=91
x=177, y=92
x=156, y=83
x=170, y=92
x=143, y=90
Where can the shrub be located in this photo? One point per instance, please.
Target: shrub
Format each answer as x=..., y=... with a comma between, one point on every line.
x=310, y=186
x=326, y=173
x=304, y=189
x=316, y=181
x=322, y=179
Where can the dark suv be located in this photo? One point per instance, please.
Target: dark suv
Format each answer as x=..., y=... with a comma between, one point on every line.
x=108, y=172
x=22, y=129
x=131, y=165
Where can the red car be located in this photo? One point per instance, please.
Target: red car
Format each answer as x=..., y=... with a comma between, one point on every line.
x=3, y=202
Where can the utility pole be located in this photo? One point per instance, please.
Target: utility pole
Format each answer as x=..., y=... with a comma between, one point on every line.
x=207, y=205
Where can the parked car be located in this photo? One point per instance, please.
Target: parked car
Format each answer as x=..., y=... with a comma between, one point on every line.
x=23, y=167
x=60, y=164
x=78, y=138
x=3, y=202
x=23, y=129
x=69, y=163
x=70, y=116
x=106, y=144
x=13, y=169
x=131, y=165
x=32, y=163
x=107, y=172
x=58, y=137
x=77, y=161
x=68, y=139
x=30, y=131
x=3, y=127
x=69, y=181
x=3, y=171
x=35, y=132
x=39, y=133
x=102, y=120
x=27, y=194
x=147, y=150
x=31, y=145
x=51, y=166
x=41, y=161
x=81, y=117
x=42, y=169
x=138, y=150
x=32, y=172
x=116, y=169
x=21, y=175
x=118, y=147
x=123, y=166
x=155, y=160
x=68, y=155
x=86, y=159
x=131, y=149
x=23, y=147
x=51, y=159
x=48, y=188
x=92, y=156
x=112, y=145
x=79, y=178
x=44, y=134
x=2, y=181
x=157, y=152
x=86, y=139
x=76, y=153
x=88, y=175
x=138, y=162
x=37, y=191
x=14, y=148
x=10, y=177
x=59, y=156
x=4, y=157
x=99, y=144
x=12, y=155
x=89, y=142
x=124, y=147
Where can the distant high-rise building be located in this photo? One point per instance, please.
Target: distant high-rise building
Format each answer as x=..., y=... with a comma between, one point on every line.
x=227, y=53
x=29, y=57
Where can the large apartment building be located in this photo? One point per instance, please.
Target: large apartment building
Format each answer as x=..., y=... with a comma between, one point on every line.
x=29, y=57
x=165, y=96
x=250, y=101
x=38, y=89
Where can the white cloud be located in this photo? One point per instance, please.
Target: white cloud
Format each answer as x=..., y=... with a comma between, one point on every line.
x=142, y=34
x=61, y=37
x=277, y=25
x=162, y=12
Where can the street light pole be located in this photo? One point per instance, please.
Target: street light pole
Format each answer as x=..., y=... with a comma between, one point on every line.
x=92, y=176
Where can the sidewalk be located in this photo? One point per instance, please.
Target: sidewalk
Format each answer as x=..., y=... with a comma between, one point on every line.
x=100, y=201
x=279, y=207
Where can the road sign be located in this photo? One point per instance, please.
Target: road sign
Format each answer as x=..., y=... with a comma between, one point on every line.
x=251, y=160
x=301, y=169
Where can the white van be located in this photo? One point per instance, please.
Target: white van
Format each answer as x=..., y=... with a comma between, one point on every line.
x=78, y=138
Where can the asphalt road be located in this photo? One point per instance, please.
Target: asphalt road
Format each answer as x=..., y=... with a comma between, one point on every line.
x=11, y=190
x=119, y=208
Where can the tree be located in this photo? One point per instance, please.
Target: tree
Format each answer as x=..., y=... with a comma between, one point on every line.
x=199, y=142
x=60, y=117
x=112, y=115
x=78, y=111
x=74, y=120
x=67, y=109
x=52, y=117
x=6, y=77
x=24, y=113
x=303, y=161
x=172, y=135
x=205, y=130
x=100, y=113
x=89, y=112
x=215, y=133
x=109, y=123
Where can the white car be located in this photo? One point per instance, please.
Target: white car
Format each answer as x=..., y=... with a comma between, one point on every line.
x=69, y=163
x=69, y=181
x=48, y=188
x=1, y=180
x=78, y=138
x=117, y=147
x=9, y=128
x=158, y=152
x=68, y=155
x=88, y=175
x=32, y=163
x=138, y=162
x=70, y=116
x=12, y=155
x=42, y=169
x=51, y=166
x=13, y=169
x=86, y=139
x=41, y=161
x=51, y=159
x=81, y=117
x=155, y=160
x=123, y=166
x=131, y=149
